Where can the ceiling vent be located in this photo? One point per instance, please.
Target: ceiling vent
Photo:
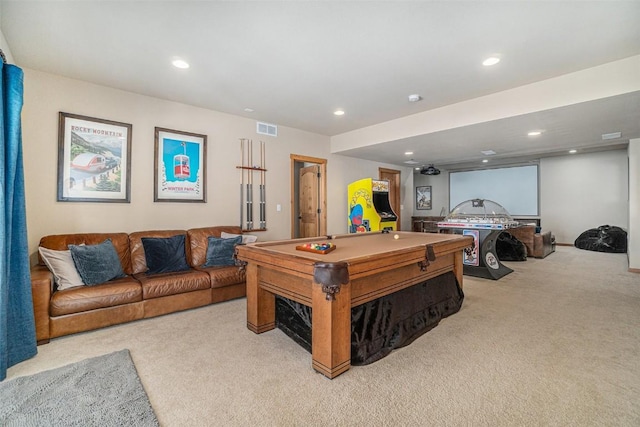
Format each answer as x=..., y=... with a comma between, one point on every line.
x=430, y=170
x=613, y=135
x=266, y=129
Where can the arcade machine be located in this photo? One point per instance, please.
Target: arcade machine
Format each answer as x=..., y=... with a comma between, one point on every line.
x=484, y=220
x=369, y=207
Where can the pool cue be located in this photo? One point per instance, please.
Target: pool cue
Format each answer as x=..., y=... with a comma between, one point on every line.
x=263, y=200
x=250, y=187
x=241, y=181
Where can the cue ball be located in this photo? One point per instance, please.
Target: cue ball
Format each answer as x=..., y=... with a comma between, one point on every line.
x=395, y=236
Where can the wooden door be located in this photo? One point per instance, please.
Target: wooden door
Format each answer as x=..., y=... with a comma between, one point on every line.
x=308, y=199
x=393, y=176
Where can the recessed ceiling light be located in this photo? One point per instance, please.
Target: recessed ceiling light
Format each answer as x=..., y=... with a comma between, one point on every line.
x=248, y=110
x=485, y=161
x=408, y=153
x=492, y=60
x=414, y=98
x=488, y=152
x=573, y=151
x=179, y=63
x=339, y=113
x=534, y=133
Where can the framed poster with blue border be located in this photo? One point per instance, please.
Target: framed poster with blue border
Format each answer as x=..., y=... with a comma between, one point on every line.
x=180, y=166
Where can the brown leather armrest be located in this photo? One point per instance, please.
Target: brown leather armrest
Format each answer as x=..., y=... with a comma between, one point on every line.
x=544, y=244
x=41, y=285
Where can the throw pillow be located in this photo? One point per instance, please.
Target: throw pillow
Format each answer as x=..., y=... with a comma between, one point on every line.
x=246, y=238
x=61, y=265
x=165, y=254
x=220, y=251
x=97, y=263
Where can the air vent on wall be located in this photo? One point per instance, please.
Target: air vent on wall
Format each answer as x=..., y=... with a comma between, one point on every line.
x=266, y=129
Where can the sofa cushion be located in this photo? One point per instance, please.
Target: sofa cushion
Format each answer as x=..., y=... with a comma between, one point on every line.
x=138, y=257
x=198, y=242
x=220, y=251
x=61, y=242
x=97, y=263
x=163, y=284
x=165, y=254
x=61, y=264
x=225, y=276
x=85, y=298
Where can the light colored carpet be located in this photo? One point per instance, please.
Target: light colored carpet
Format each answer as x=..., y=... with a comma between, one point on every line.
x=556, y=342
x=100, y=391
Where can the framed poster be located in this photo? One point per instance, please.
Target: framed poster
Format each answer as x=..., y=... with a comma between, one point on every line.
x=423, y=197
x=180, y=166
x=94, y=159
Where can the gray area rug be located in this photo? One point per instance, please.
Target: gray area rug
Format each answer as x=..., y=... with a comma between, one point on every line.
x=100, y=391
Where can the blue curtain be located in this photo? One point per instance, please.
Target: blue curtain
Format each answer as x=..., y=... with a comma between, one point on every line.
x=17, y=325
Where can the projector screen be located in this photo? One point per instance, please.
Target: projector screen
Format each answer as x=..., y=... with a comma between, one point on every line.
x=515, y=188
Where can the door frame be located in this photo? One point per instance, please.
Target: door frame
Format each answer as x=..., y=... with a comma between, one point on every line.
x=396, y=187
x=322, y=196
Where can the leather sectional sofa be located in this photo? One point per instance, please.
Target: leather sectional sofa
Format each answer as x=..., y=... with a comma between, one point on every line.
x=138, y=294
x=539, y=244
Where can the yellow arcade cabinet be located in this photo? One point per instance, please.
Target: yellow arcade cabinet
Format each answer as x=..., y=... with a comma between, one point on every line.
x=369, y=207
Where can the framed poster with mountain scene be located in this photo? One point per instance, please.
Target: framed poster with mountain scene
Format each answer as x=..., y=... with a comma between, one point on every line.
x=180, y=166
x=94, y=159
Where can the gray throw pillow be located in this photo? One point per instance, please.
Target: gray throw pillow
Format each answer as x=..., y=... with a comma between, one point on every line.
x=97, y=263
x=220, y=251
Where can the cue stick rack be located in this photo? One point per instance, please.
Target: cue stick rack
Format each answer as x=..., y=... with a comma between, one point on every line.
x=247, y=171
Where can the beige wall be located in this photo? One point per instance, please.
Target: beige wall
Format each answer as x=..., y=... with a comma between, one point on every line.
x=344, y=170
x=439, y=193
x=634, y=205
x=5, y=47
x=584, y=191
x=577, y=192
x=47, y=94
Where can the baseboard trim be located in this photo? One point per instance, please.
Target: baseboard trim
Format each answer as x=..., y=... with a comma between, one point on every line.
x=634, y=270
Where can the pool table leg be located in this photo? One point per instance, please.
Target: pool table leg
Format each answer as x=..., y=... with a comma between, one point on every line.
x=458, y=266
x=331, y=331
x=261, y=305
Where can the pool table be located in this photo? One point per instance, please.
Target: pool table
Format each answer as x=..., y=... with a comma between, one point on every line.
x=363, y=267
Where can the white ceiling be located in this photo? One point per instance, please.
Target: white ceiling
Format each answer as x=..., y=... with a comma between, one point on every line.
x=294, y=63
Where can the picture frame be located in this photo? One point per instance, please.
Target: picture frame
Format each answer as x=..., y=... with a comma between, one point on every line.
x=179, y=166
x=423, y=197
x=94, y=159
x=470, y=254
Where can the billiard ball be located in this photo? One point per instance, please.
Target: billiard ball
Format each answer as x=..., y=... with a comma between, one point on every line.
x=395, y=236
